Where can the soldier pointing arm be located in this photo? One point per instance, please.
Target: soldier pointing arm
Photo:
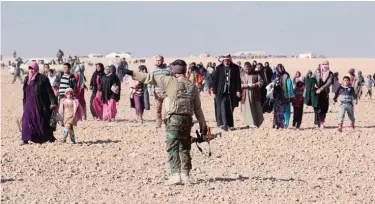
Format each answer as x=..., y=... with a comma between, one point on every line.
x=182, y=103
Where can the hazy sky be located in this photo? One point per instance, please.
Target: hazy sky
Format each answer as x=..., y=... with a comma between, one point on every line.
x=336, y=29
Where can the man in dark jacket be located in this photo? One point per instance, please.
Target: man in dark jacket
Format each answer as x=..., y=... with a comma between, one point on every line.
x=227, y=89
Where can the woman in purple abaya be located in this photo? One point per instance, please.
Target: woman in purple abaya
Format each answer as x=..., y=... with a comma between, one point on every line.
x=38, y=103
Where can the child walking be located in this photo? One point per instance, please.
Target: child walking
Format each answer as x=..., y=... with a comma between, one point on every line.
x=346, y=94
x=298, y=103
x=70, y=112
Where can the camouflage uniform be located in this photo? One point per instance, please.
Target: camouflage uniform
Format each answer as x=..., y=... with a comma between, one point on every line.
x=182, y=102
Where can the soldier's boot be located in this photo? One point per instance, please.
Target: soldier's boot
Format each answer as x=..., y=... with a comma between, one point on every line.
x=174, y=179
x=185, y=177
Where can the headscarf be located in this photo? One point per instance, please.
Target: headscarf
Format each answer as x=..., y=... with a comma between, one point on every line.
x=324, y=70
x=81, y=79
x=110, y=72
x=280, y=70
x=142, y=68
x=351, y=75
x=266, y=64
x=35, y=66
x=101, y=68
x=297, y=73
x=309, y=72
x=68, y=90
x=225, y=57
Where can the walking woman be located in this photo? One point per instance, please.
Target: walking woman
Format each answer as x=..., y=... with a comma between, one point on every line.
x=296, y=76
x=324, y=79
x=137, y=95
x=39, y=101
x=110, y=87
x=96, y=107
x=146, y=87
x=80, y=87
x=351, y=74
x=283, y=93
x=250, y=98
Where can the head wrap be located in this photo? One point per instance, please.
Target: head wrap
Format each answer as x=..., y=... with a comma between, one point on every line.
x=80, y=68
x=225, y=57
x=280, y=70
x=324, y=70
x=351, y=71
x=308, y=72
x=35, y=66
x=68, y=90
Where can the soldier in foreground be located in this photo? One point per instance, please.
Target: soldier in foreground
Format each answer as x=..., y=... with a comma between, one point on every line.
x=182, y=103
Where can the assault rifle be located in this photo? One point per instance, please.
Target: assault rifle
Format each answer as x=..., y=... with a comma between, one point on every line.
x=204, y=138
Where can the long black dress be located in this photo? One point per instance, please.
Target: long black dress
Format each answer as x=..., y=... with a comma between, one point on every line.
x=95, y=88
x=105, y=86
x=225, y=90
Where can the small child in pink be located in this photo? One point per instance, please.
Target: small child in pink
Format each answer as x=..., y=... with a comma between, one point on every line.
x=70, y=112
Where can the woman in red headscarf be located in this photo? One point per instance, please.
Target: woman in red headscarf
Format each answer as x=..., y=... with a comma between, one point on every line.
x=38, y=104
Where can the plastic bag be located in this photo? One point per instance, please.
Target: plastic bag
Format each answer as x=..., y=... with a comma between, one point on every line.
x=270, y=91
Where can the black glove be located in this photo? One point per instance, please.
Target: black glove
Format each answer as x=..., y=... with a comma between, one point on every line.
x=128, y=72
x=203, y=131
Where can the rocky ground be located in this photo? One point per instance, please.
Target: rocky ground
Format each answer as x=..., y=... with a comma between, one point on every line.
x=125, y=162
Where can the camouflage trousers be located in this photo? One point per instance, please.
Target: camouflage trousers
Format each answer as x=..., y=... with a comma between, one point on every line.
x=178, y=143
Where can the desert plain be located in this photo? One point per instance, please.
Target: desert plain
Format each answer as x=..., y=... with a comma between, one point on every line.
x=126, y=162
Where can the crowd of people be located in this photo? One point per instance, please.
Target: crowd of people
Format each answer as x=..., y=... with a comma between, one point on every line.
x=52, y=98
x=256, y=88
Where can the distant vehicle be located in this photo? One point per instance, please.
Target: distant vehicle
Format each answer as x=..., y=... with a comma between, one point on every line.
x=93, y=55
x=119, y=55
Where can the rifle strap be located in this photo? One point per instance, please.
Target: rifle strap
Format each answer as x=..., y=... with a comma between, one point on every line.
x=200, y=149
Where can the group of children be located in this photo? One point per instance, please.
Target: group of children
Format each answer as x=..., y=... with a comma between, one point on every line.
x=344, y=94
x=69, y=89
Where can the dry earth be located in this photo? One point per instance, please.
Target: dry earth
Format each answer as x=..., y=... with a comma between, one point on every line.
x=125, y=162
